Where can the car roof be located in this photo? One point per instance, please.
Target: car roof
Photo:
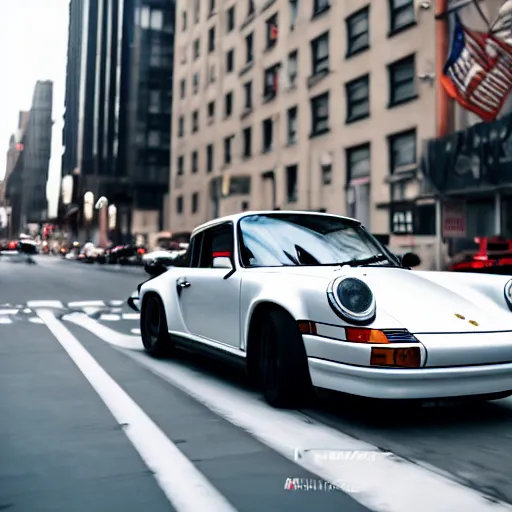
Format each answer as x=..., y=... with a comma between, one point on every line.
x=237, y=216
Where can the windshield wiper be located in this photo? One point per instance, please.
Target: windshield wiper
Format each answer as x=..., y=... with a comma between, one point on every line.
x=362, y=262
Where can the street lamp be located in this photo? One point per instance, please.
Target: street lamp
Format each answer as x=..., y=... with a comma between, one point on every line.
x=88, y=206
x=112, y=217
x=101, y=206
x=67, y=189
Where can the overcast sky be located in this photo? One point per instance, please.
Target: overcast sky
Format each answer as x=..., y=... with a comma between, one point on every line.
x=33, y=46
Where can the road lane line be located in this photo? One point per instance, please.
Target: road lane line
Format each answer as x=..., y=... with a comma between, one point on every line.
x=45, y=304
x=86, y=303
x=103, y=332
x=387, y=483
x=4, y=320
x=110, y=317
x=9, y=311
x=131, y=316
x=185, y=486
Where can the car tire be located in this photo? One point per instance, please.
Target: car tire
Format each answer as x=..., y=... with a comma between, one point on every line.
x=284, y=373
x=153, y=327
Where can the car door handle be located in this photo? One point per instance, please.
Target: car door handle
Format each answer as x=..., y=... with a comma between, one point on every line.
x=182, y=283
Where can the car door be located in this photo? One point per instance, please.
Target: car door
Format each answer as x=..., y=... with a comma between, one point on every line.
x=209, y=297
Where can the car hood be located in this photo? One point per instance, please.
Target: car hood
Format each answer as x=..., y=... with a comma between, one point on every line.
x=427, y=302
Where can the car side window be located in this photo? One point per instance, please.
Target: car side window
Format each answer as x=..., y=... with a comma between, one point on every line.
x=216, y=241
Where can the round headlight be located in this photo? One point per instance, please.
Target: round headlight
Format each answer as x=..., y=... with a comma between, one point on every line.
x=352, y=299
x=508, y=293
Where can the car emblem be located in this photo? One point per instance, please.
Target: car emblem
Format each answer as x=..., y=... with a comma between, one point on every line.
x=460, y=316
x=473, y=322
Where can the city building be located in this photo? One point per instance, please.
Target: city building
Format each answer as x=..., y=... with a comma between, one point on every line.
x=26, y=185
x=120, y=55
x=304, y=104
x=469, y=162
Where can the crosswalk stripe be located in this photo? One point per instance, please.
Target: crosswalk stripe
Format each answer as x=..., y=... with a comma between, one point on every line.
x=183, y=484
x=86, y=303
x=4, y=320
x=131, y=316
x=8, y=311
x=57, y=304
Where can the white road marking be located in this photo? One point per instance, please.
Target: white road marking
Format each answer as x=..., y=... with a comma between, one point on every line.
x=104, y=332
x=116, y=310
x=4, y=320
x=8, y=311
x=36, y=320
x=387, y=483
x=131, y=316
x=27, y=310
x=51, y=304
x=135, y=331
x=110, y=318
x=86, y=303
x=116, y=302
x=182, y=483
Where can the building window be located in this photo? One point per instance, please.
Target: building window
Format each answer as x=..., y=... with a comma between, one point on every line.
x=402, y=151
x=402, y=221
x=197, y=11
x=320, y=114
x=250, y=8
x=271, y=82
x=157, y=19
x=230, y=61
x=293, y=67
x=195, y=162
x=294, y=11
x=358, y=32
x=245, y=206
x=227, y=149
x=179, y=205
x=195, y=121
x=320, y=6
x=402, y=84
x=181, y=126
x=247, y=136
x=358, y=98
x=211, y=111
x=195, y=202
x=292, y=125
x=211, y=40
x=249, y=48
x=401, y=15
x=183, y=21
x=291, y=183
x=195, y=83
x=230, y=19
x=181, y=165
x=248, y=95
x=183, y=88
x=211, y=74
x=358, y=183
x=272, y=30
x=209, y=158
x=154, y=102
x=154, y=139
x=268, y=135
x=320, y=54
x=197, y=46
x=212, y=7
x=228, y=104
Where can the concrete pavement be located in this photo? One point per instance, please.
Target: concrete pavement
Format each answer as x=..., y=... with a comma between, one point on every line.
x=70, y=356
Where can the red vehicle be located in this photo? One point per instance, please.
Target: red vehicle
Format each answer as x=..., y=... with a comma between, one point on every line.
x=483, y=255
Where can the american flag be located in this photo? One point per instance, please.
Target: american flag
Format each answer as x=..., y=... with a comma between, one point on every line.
x=478, y=72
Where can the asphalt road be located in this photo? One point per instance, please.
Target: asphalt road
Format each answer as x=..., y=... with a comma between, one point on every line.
x=89, y=422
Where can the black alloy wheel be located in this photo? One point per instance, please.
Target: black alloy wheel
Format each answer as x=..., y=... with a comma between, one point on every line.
x=153, y=326
x=283, y=366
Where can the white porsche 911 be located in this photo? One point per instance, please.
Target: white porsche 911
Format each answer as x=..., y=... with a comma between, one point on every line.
x=308, y=300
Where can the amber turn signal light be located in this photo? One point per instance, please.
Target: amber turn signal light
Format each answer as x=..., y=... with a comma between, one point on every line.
x=306, y=327
x=396, y=357
x=365, y=335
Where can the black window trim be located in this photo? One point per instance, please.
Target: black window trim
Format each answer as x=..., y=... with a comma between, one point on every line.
x=314, y=61
x=396, y=135
x=390, y=67
x=350, y=150
x=349, y=52
x=315, y=132
x=392, y=12
x=360, y=79
x=319, y=11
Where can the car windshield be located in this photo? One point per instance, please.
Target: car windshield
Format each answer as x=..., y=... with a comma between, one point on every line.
x=276, y=240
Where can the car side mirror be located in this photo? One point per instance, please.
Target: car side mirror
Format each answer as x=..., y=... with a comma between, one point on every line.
x=410, y=260
x=222, y=262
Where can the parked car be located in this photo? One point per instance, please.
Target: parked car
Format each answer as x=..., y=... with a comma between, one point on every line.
x=305, y=300
x=483, y=255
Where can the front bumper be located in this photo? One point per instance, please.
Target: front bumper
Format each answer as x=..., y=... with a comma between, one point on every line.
x=359, y=379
